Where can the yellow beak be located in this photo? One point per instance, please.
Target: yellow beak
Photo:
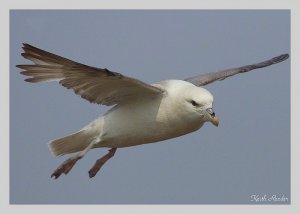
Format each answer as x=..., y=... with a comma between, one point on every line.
x=215, y=121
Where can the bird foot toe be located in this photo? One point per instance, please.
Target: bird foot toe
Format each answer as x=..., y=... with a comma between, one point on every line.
x=65, y=167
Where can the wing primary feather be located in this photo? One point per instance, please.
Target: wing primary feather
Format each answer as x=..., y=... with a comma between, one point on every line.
x=96, y=85
x=208, y=78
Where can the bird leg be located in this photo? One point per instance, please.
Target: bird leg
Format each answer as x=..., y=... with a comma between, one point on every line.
x=100, y=162
x=67, y=165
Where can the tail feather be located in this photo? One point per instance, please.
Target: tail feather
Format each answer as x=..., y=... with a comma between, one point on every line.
x=69, y=144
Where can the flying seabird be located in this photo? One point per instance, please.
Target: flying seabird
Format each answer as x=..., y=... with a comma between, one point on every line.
x=141, y=113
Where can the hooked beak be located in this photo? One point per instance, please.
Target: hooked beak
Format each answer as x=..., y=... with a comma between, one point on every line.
x=214, y=118
x=215, y=121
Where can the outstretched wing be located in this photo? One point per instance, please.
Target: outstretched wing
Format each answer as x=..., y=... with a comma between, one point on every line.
x=208, y=78
x=96, y=85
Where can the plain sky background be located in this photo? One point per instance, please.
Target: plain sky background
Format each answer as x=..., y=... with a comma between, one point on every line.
x=249, y=153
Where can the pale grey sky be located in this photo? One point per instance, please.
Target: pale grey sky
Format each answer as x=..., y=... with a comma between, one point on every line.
x=249, y=153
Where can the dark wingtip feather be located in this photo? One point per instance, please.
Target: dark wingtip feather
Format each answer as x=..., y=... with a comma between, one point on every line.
x=26, y=73
x=31, y=80
x=26, y=45
x=29, y=48
x=36, y=79
x=280, y=58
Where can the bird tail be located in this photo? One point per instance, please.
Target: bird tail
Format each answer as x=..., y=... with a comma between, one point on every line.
x=69, y=144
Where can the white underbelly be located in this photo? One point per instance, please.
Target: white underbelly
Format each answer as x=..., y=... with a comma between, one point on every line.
x=134, y=126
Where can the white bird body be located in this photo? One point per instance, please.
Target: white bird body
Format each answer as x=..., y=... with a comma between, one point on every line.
x=150, y=119
x=144, y=120
x=143, y=113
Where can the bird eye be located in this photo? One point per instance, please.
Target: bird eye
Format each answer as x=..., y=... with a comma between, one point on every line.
x=194, y=103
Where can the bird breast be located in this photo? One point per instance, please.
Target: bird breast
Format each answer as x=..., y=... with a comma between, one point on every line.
x=145, y=121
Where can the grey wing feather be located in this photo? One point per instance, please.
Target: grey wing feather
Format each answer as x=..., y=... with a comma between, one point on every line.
x=96, y=85
x=208, y=78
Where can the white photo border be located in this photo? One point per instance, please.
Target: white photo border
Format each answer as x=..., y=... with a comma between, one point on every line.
x=7, y=5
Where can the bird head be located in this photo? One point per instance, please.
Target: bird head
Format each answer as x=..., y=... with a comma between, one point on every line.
x=199, y=103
